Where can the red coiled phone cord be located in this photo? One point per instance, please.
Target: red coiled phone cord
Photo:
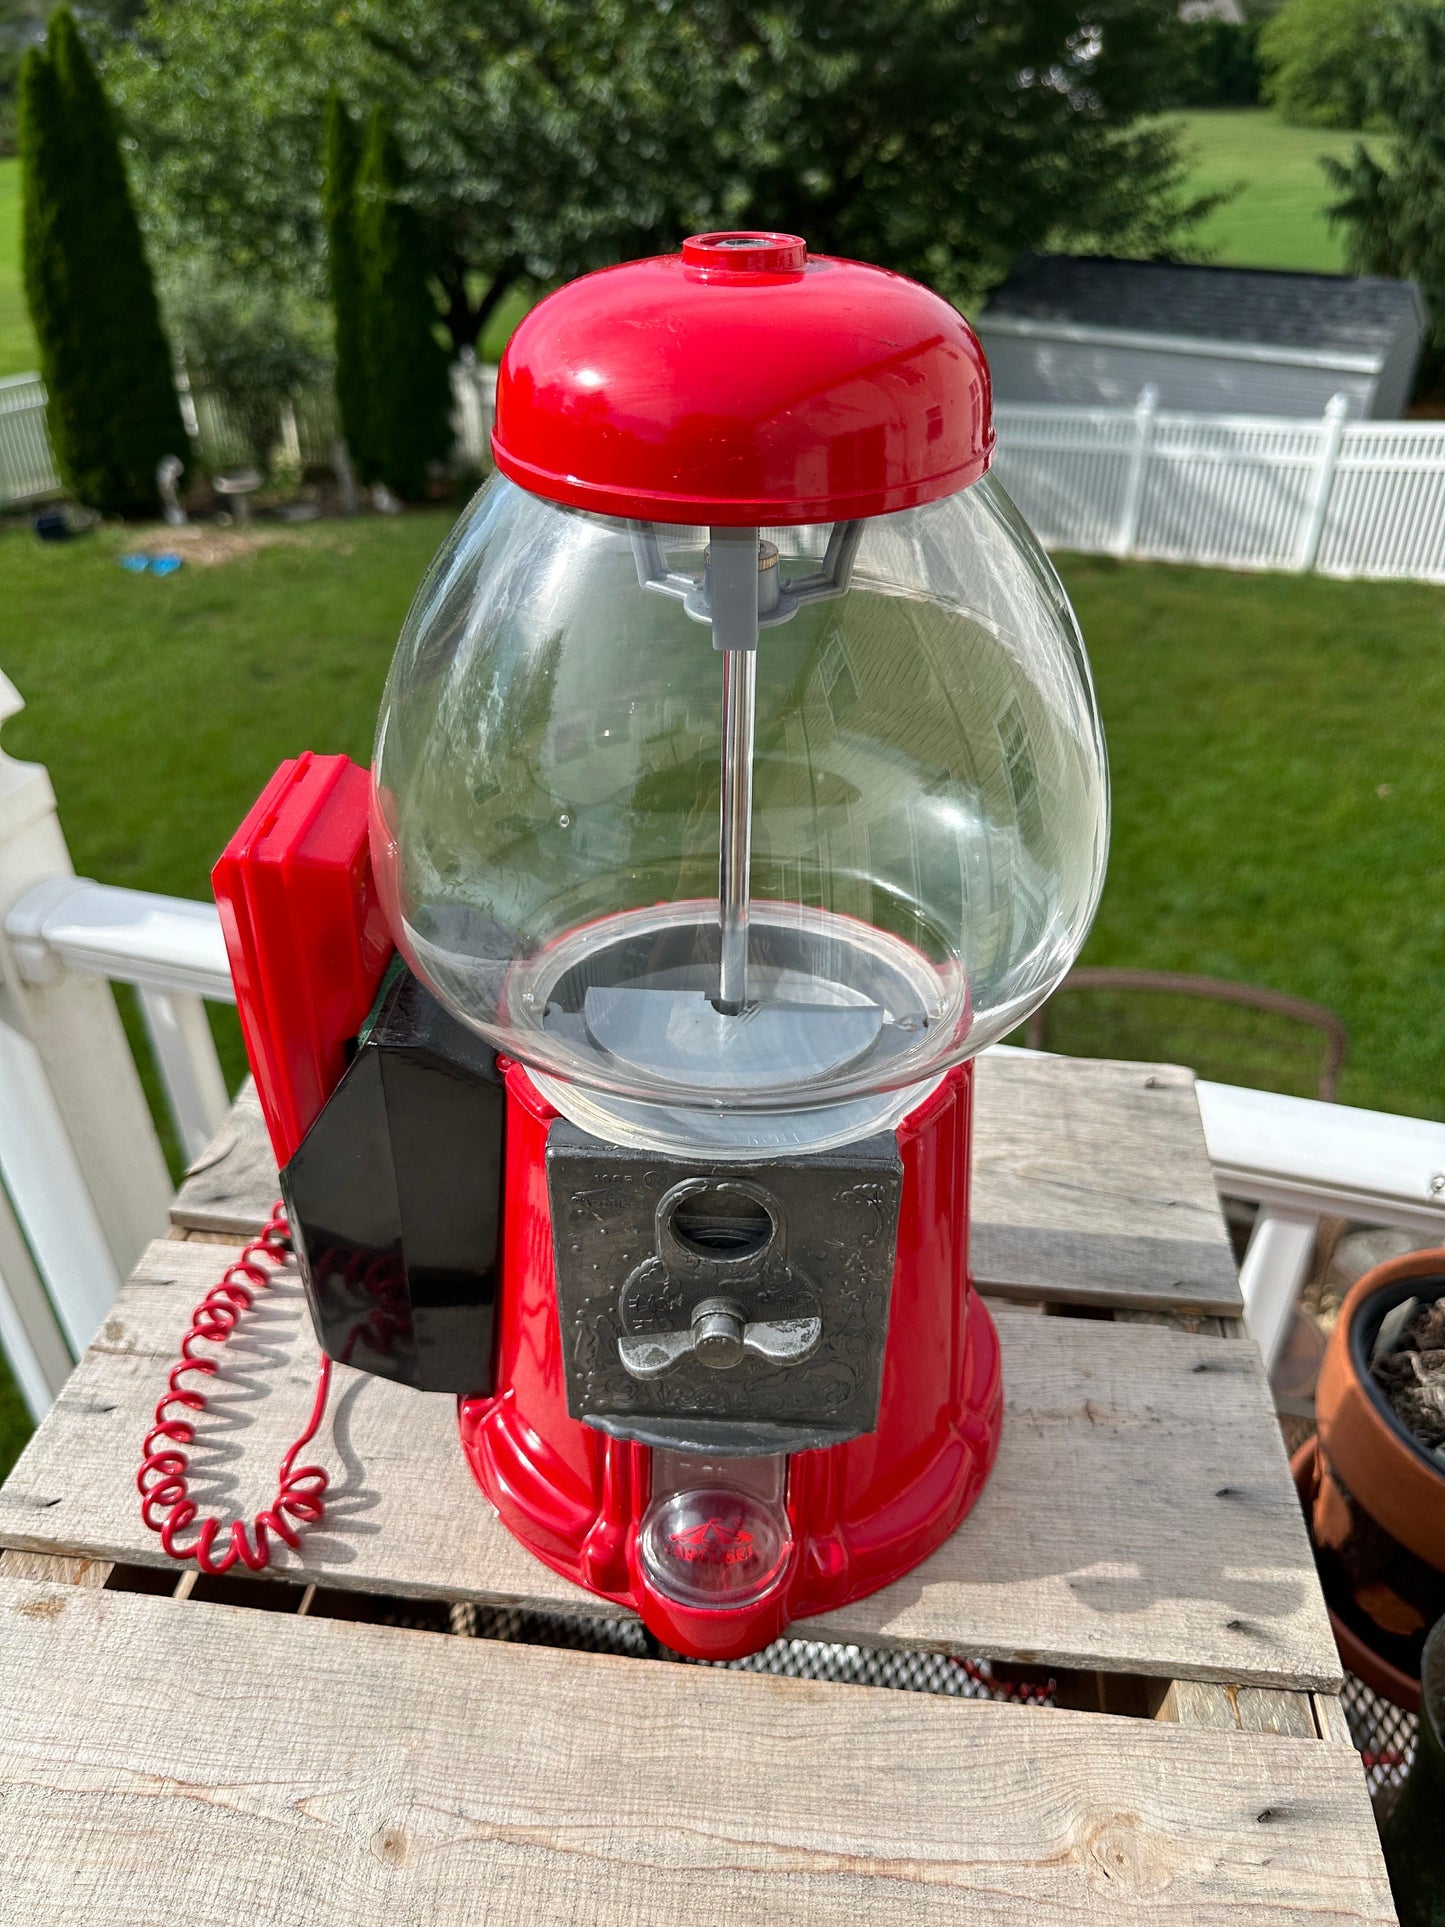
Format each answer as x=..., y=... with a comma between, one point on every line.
x=166, y=1504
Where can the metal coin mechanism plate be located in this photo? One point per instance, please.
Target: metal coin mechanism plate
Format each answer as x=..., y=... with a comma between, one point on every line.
x=724, y=1308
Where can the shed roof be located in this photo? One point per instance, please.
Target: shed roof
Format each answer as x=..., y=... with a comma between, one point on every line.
x=1269, y=307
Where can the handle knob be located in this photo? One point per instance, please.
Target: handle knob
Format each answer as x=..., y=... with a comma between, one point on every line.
x=718, y=1338
x=718, y=1333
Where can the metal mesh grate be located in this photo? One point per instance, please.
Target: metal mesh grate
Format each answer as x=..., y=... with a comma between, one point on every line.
x=901, y=1671
x=625, y=1636
x=904, y=1672
x=1385, y=1737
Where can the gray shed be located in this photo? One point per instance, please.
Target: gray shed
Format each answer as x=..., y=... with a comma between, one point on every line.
x=1090, y=330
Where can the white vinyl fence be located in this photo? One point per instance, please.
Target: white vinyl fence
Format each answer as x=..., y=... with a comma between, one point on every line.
x=474, y=407
x=1231, y=491
x=309, y=427
x=27, y=467
x=309, y=430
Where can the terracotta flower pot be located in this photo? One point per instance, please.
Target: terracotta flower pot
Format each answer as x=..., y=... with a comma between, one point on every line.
x=1374, y=1496
x=1390, y=1682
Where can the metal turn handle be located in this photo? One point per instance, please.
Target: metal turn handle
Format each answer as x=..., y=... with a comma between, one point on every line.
x=718, y=1337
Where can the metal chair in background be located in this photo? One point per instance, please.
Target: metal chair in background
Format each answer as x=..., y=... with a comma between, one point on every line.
x=1113, y=1013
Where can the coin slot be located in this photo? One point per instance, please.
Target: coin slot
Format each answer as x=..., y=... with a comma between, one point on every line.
x=721, y=1224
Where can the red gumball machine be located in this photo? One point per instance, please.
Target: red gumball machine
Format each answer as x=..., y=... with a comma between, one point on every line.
x=738, y=778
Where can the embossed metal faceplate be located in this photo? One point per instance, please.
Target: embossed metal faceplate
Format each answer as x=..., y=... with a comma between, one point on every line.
x=723, y=1308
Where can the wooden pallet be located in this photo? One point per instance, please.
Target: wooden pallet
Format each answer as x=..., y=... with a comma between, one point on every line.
x=170, y=1752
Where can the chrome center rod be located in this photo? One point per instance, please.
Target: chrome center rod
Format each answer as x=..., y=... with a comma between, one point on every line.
x=735, y=844
x=739, y=590
x=731, y=581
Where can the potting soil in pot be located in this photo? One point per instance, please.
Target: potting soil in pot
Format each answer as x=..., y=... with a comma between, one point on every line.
x=1407, y=1362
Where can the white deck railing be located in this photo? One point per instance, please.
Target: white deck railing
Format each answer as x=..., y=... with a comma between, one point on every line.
x=170, y=949
x=1298, y=1159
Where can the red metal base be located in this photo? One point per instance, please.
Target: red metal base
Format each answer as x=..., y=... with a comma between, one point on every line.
x=862, y=1514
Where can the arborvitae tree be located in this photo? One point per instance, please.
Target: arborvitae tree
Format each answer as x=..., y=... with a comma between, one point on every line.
x=408, y=394
x=1392, y=208
x=113, y=411
x=341, y=160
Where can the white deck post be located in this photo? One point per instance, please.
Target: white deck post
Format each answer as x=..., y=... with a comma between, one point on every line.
x=180, y=1035
x=79, y=1158
x=1275, y=1269
x=30, y=1335
x=1332, y=434
x=1132, y=511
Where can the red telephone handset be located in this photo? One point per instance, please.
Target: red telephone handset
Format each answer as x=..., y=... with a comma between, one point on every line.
x=308, y=946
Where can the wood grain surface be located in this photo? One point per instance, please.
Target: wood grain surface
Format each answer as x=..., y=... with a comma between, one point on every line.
x=89, y=1573
x=1091, y=1184
x=167, y=1762
x=1140, y=1517
x=232, y=1185
x=1239, y=1709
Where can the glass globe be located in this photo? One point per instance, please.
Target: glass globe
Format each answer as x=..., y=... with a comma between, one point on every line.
x=926, y=801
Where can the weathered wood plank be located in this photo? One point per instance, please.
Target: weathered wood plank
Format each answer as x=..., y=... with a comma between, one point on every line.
x=1140, y=1518
x=1092, y=1184
x=232, y=1185
x=49, y=1566
x=1239, y=1709
x=1330, y=1719
x=178, y=1761
x=1182, y=1321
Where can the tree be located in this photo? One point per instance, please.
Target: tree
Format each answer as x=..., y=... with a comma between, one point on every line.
x=22, y=26
x=945, y=139
x=1218, y=64
x=113, y=412
x=545, y=138
x=408, y=395
x=1315, y=54
x=346, y=279
x=1393, y=209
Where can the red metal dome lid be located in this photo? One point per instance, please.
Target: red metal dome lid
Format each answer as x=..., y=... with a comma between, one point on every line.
x=743, y=382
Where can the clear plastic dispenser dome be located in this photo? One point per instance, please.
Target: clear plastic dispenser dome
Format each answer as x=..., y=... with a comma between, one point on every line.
x=740, y=889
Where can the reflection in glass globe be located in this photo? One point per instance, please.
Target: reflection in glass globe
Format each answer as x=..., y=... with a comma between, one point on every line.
x=929, y=815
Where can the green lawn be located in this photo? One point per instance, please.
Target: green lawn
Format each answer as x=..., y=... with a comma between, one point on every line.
x=1278, y=795
x=162, y=705
x=17, y=343
x=1277, y=219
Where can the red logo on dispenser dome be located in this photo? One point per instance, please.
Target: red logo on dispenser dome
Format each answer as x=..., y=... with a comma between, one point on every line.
x=713, y=1543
